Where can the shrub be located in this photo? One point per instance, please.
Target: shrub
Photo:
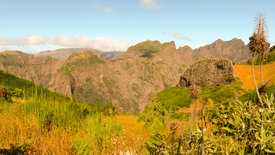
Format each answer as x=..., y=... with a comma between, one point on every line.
x=249, y=127
x=165, y=103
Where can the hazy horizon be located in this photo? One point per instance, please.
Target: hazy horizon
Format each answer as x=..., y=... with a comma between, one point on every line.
x=35, y=26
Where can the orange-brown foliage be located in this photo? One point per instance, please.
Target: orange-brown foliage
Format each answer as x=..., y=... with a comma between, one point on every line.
x=134, y=133
x=244, y=72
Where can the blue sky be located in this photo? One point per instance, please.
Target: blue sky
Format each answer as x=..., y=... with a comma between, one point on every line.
x=112, y=25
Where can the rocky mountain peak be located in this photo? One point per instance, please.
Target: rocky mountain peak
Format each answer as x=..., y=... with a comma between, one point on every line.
x=185, y=48
x=148, y=49
x=128, y=82
x=234, y=49
x=218, y=41
x=81, y=55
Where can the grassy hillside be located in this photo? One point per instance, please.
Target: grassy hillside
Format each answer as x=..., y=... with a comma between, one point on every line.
x=244, y=72
x=36, y=120
x=171, y=101
x=167, y=102
x=42, y=122
x=39, y=121
x=218, y=120
x=27, y=89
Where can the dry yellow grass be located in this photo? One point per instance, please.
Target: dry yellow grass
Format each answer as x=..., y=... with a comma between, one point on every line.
x=134, y=133
x=26, y=129
x=16, y=129
x=244, y=72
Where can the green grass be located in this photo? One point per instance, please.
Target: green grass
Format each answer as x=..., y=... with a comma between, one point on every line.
x=173, y=98
x=76, y=60
x=222, y=93
x=251, y=95
x=97, y=133
x=48, y=107
x=93, y=125
x=166, y=103
x=269, y=59
x=29, y=89
x=180, y=116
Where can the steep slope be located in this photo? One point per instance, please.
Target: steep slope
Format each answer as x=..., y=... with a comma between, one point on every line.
x=14, y=58
x=128, y=82
x=131, y=81
x=43, y=72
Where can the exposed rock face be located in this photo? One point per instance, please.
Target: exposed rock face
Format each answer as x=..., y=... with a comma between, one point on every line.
x=235, y=50
x=128, y=82
x=208, y=73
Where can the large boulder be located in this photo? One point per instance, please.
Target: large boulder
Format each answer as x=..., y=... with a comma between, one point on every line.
x=208, y=73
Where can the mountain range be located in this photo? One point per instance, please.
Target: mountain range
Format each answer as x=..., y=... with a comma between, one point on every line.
x=62, y=54
x=128, y=80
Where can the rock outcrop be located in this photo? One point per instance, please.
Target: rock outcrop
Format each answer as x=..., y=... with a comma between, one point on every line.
x=128, y=82
x=208, y=73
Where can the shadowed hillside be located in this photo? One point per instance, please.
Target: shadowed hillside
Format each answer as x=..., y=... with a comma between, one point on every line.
x=128, y=82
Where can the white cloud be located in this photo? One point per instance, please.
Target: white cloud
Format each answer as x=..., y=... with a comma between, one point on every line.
x=150, y=4
x=23, y=41
x=35, y=40
x=78, y=41
x=107, y=10
x=178, y=35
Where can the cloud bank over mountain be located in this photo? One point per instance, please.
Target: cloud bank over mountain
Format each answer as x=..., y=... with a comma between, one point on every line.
x=78, y=41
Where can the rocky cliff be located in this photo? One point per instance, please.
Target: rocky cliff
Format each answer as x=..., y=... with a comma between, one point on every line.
x=128, y=82
x=235, y=50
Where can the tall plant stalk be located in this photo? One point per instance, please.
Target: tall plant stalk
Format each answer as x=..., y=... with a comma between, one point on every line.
x=254, y=79
x=258, y=45
x=261, y=69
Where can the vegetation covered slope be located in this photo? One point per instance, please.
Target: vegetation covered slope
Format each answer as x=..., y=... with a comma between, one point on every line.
x=39, y=121
x=215, y=123
x=244, y=71
x=220, y=121
x=128, y=82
